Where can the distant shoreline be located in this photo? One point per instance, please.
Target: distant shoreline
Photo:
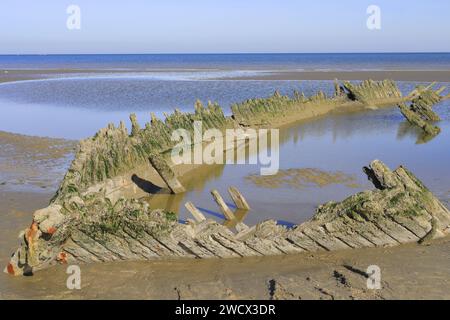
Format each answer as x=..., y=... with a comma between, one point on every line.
x=397, y=75
x=378, y=75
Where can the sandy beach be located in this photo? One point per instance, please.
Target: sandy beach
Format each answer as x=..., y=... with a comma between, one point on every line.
x=398, y=75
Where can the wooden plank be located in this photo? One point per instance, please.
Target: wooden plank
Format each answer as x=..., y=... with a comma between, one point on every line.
x=325, y=240
x=229, y=215
x=237, y=246
x=285, y=246
x=137, y=247
x=371, y=232
x=215, y=247
x=395, y=230
x=198, y=216
x=186, y=242
x=238, y=198
x=303, y=241
x=265, y=247
x=93, y=247
x=411, y=225
x=345, y=233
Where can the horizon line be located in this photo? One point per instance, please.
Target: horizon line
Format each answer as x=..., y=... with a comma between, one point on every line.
x=225, y=53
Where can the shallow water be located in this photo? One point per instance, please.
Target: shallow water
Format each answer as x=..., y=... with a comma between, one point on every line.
x=76, y=108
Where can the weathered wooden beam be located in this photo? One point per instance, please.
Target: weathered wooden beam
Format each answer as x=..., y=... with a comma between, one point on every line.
x=431, y=85
x=229, y=215
x=238, y=198
x=166, y=173
x=198, y=216
x=413, y=94
x=440, y=90
x=337, y=88
x=416, y=120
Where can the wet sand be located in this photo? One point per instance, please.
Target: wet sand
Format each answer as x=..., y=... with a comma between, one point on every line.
x=302, y=178
x=398, y=75
x=32, y=162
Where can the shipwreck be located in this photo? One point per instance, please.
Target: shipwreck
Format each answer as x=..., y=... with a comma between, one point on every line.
x=96, y=214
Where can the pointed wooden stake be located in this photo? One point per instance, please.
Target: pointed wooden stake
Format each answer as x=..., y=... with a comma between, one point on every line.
x=238, y=198
x=198, y=216
x=229, y=215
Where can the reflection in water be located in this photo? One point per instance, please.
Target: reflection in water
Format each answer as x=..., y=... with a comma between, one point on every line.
x=407, y=129
x=57, y=107
x=343, y=126
x=240, y=215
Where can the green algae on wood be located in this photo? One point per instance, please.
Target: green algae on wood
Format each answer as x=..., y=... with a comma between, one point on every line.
x=90, y=228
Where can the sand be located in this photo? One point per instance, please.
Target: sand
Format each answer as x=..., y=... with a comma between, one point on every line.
x=303, y=177
x=398, y=75
x=33, y=162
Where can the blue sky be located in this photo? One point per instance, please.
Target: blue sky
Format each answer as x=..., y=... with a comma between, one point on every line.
x=223, y=26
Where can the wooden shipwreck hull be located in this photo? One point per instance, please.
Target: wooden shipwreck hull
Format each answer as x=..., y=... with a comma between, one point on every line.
x=92, y=229
x=90, y=219
x=420, y=112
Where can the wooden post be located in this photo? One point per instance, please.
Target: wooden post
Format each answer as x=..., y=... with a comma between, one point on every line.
x=166, y=173
x=431, y=85
x=440, y=90
x=238, y=198
x=198, y=216
x=416, y=120
x=229, y=215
